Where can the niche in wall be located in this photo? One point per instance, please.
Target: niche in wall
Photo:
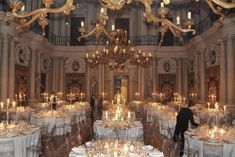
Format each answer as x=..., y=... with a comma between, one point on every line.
x=167, y=84
x=212, y=81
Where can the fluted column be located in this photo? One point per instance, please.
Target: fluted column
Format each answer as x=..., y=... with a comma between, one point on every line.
x=103, y=77
x=4, y=69
x=88, y=83
x=53, y=74
x=202, y=78
x=196, y=73
x=142, y=83
x=179, y=77
x=38, y=88
x=99, y=79
x=32, y=76
x=11, y=83
x=185, y=77
x=139, y=79
x=154, y=75
x=230, y=70
x=222, y=86
x=61, y=80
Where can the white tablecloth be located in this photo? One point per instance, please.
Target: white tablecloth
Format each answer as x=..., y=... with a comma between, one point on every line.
x=61, y=122
x=135, y=132
x=167, y=126
x=228, y=148
x=21, y=143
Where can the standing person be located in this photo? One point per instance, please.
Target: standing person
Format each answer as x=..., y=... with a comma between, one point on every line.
x=100, y=104
x=182, y=120
x=92, y=103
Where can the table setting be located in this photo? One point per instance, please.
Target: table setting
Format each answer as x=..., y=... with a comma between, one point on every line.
x=115, y=148
x=22, y=136
x=224, y=136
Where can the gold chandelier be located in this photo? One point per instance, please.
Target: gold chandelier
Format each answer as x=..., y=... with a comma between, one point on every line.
x=117, y=52
x=142, y=59
x=26, y=19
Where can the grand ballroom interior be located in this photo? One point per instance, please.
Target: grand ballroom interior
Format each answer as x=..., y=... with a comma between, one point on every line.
x=117, y=78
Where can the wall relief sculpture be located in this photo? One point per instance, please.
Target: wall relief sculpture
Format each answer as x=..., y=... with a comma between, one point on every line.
x=22, y=54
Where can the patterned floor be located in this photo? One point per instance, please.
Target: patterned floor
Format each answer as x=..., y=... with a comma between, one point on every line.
x=60, y=146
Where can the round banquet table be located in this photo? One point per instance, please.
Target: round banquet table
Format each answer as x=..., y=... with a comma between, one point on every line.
x=228, y=148
x=21, y=143
x=133, y=132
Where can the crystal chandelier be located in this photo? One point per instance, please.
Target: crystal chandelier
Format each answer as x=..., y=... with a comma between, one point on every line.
x=118, y=51
x=27, y=18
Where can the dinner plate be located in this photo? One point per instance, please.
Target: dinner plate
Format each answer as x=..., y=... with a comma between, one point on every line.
x=148, y=147
x=212, y=140
x=156, y=154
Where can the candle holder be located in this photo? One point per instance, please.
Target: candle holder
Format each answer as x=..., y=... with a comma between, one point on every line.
x=81, y=96
x=161, y=96
x=60, y=95
x=137, y=95
x=71, y=97
x=154, y=95
x=20, y=98
x=45, y=97
x=193, y=95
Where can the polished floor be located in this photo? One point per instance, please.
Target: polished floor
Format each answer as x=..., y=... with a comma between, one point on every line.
x=60, y=146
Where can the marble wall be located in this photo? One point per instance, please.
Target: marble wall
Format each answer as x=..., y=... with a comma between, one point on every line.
x=214, y=49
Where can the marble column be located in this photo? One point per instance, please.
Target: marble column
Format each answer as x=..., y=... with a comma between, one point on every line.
x=54, y=74
x=99, y=79
x=196, y=72
x=222, y=86
x=142, y=83
x=11, y=79
x=179, y=76
x=139, y=79
x=32, y=76
x=202, y=77
x=185, y=77
x=230, y=70
x=4, y=69
x=154, y=75
x=103, y=77
x=61, y=80
x=38, y=88
x=88, y=83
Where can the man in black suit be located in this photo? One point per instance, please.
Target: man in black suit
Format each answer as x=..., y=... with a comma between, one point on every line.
x=185, y=115
x=92, y=103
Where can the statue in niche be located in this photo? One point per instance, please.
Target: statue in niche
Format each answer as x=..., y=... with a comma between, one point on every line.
x=94, y=89
x=149, y=88
x=166, y=66
x=75, y=66
x=213, y=57
x=21, y=56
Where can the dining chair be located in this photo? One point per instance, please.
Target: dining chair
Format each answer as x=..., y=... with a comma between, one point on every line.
x=212, y=149
x=35, y=147
x=7, y=148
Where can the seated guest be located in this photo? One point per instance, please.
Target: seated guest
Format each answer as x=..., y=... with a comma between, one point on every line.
x=185, y=115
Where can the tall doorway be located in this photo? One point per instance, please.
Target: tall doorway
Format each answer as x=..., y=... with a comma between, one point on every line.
x=121, y=85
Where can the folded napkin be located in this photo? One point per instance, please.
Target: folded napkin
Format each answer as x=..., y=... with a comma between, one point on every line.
x=81, y=150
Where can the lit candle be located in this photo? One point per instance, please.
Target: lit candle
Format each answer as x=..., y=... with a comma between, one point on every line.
x=189, y=15
x=162, y=4
x=87, y=55
x=23, y=8
x=14, y=104
x=178, y=20
x=224, y=109
x=82, y=24
x=113, y=27
x=208, y=104
x=106, y=115
x=129, y=115
x=115, y=154
x=1, y=105
x=101, y=10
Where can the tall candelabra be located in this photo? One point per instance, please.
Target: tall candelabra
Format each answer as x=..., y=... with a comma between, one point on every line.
x=154, y=95
x=193, y=95
x=71, y=97
x=81, y=96
x=20, y=98
x=45, y=97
